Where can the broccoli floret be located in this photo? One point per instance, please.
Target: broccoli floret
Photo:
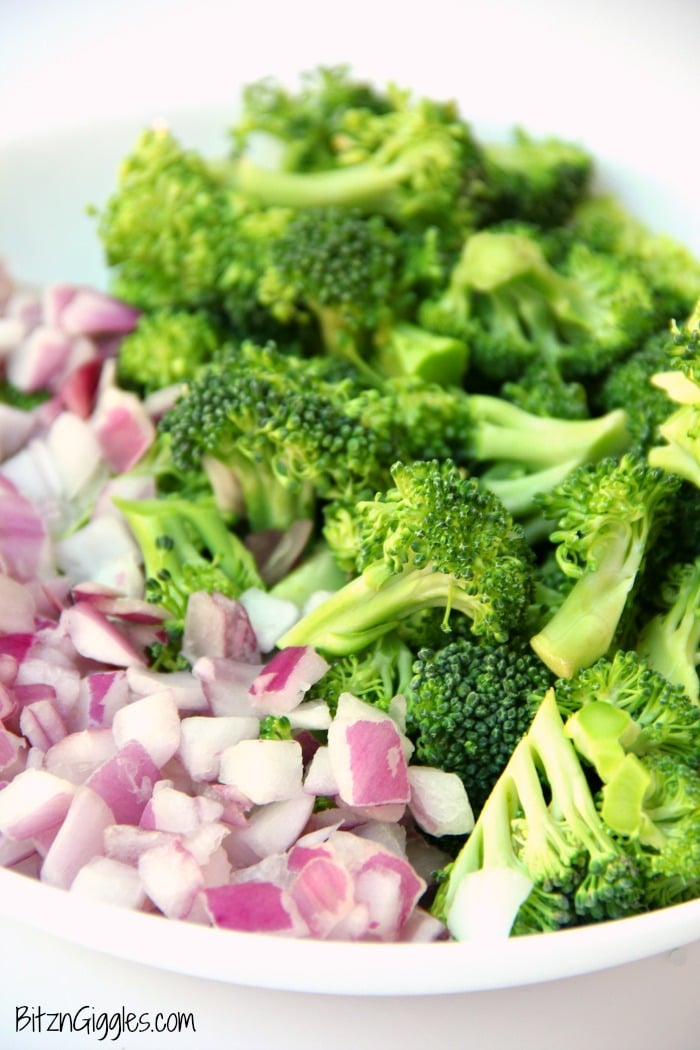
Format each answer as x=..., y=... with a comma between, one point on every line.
x=340, y=268
x=680, y=381
x=468, y=705
x=607, y=516
x=528, y=453
x=628, y=385
x=433, y=540
x=282, y=430
x=669, y=268
x=407, y=351
x=304, y=124
x=542, y=391
x=670, y=640
x=166, y=348
x=414, y=160
x=536, y=180
x=177, y=236
x=376, y=675
x=167, y=228
x=642, y=737
x=658, y=715
x=186, y=547
x=515, y=309
x=275, y=727
x=503, y=432
x=540, y=825
x=672, y=868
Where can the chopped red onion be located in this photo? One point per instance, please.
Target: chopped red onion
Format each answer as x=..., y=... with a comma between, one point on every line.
x=154, y=722
x=253, y=907
x=263, y=770
x=33, y=802
x=286, y=678
x=122, y=427
x=125, y=781
x=111, y=881
x=203, y=740
x=219, y=628
x=79, y=839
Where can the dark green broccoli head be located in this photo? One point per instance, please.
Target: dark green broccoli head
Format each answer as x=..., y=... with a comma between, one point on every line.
x=628, y=385
x=334, y=259
x=469, y=703
x=669, y=268
x=282, y=428
x=536, y=180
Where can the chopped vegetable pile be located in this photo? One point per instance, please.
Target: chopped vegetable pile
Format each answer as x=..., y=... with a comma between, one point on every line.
x=349, y=544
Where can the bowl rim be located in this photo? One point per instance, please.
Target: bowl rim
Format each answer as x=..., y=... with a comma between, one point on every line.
x=340, y=967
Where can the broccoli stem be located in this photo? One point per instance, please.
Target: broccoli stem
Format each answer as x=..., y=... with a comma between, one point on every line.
x=670, y=641
x=502, y=431
x=519, y=788
x=267, y=501
x=517, y=494
x=583, y=627
x=681, y=454
x=359, y=184
x=374, y=603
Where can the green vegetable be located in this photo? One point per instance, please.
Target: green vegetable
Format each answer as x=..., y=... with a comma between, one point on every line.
x=607, y=516
x=541, y=824
x=435, y=539
x=459, y=391
x=186, y=547
x=468, y=705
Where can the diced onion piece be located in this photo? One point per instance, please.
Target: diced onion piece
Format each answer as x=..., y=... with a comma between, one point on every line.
x=253, y=907
x=263, y=770
x=218, y=627
x=203, y=740
x=111, y=881
x=79, y=838
x=152, y=720
x=172, y=878
x=286, y=678
x=439, y=801
x=270, y=830
x=368, y=762
x=125, y=781
x=270, y=616
x=96, y=638
x=34, y=802
x=171, y=810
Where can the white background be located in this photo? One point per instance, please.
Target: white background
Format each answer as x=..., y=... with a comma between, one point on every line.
x=621, y=76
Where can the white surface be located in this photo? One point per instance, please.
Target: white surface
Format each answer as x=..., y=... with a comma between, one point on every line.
x=620, y=76
x=622, y=1009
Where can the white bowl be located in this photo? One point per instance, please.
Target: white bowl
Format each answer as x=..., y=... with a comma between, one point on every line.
x=621, y=79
